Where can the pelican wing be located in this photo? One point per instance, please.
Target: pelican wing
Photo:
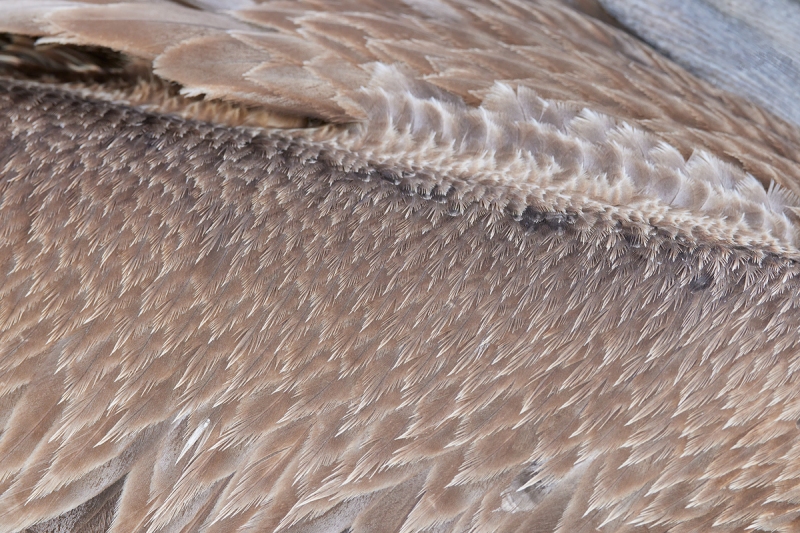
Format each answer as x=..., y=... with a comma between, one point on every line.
x=316, y=59
x=517, y=271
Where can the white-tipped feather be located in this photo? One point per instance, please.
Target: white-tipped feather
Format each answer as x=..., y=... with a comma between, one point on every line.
x=505, y=268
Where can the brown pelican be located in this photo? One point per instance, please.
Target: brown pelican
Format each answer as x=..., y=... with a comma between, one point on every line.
x=421, y=265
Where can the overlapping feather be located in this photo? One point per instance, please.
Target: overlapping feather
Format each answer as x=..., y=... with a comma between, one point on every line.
x=529, y=275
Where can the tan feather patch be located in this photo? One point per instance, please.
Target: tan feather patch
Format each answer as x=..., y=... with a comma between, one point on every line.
x=527, y=275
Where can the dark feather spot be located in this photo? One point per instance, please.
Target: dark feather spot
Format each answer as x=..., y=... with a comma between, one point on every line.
x=532, y=220
x=701, y=282
x=529, y=497
x=360, y=176
x=559, y=221
x=389, y=176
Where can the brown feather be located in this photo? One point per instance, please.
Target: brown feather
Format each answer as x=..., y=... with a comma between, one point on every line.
x=521, y=280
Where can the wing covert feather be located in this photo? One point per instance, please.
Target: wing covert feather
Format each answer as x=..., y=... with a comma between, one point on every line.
x=525, y=273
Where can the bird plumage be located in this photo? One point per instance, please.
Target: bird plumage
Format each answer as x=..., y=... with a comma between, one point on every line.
x=502, y=268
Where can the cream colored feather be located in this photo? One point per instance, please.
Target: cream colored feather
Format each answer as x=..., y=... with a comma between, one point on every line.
x=406, y=266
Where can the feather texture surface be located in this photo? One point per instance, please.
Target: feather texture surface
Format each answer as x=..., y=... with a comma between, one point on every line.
x=517, y=272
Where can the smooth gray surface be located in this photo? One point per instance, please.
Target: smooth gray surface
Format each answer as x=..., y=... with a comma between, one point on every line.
x=751, y=48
